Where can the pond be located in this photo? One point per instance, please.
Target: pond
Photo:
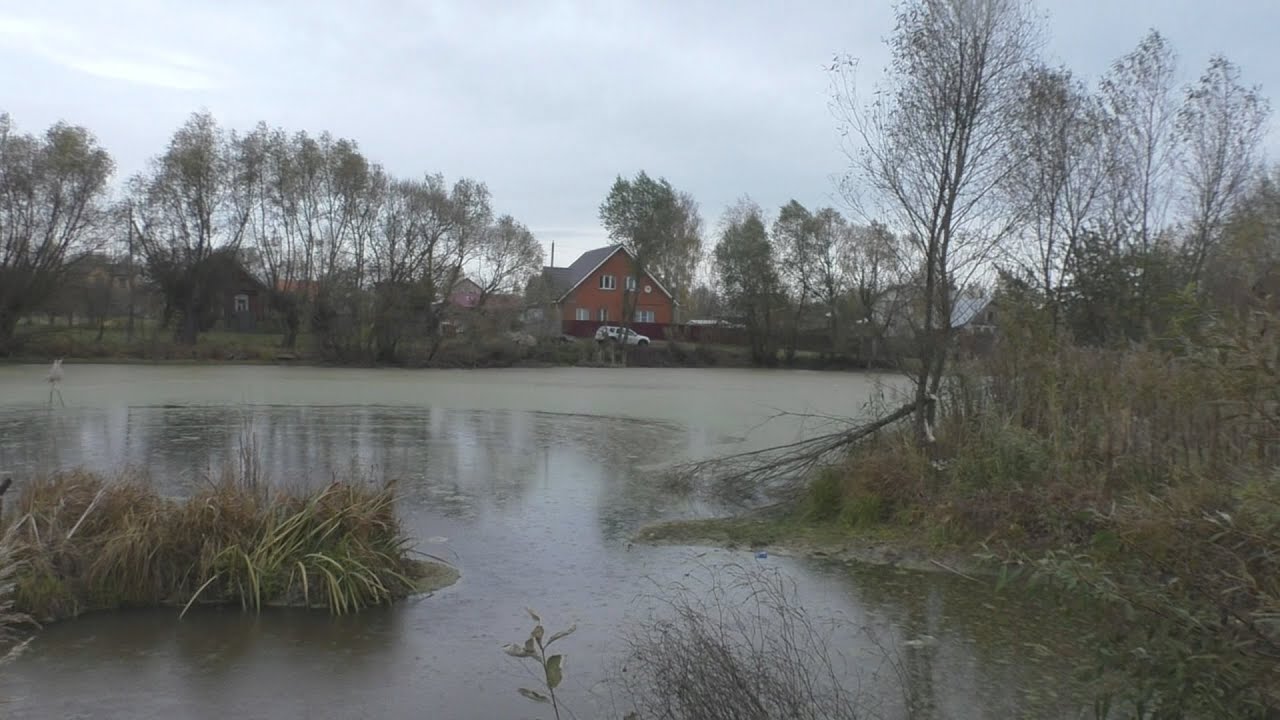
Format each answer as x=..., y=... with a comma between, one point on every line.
x=531, y=482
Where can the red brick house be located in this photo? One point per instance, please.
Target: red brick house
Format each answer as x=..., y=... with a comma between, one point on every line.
x=591, y=292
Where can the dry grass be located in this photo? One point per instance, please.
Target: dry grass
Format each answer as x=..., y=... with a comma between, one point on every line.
x=1147, y=479
x=734, y=642
x=85, y=543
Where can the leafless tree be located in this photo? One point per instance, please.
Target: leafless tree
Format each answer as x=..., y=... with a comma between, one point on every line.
x=194, y=203
x=508, y=254
x=1058, y=175
x=1138, y=97
x=1221, y=125
x=428, y=233
x=51, y=201
x=871, y=262
x=931, y=150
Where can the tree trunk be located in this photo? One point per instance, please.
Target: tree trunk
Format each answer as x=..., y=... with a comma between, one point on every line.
x=189, y=329
x=8, y=327
x=292, y=322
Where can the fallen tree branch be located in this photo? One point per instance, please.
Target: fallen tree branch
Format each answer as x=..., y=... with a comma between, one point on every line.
x=780, y=472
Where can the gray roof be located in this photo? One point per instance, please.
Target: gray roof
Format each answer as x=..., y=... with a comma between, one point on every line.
x=561, y=280
x=966, y=310
x=558, y=279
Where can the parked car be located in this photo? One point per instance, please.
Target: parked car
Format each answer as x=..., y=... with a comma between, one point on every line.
x=615, y=334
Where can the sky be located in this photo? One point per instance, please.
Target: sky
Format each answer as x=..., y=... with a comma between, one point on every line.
x=545, y=101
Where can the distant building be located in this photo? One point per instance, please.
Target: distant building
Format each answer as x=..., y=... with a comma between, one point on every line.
x=242, y=298
x=591, y=292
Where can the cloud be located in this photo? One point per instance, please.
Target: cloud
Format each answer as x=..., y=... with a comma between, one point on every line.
x=91, y=53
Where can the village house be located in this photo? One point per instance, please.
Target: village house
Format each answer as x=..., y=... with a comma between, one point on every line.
x=242, y=298
x=594, y=291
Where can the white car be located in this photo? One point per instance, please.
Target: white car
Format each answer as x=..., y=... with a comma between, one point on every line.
x=615, y=333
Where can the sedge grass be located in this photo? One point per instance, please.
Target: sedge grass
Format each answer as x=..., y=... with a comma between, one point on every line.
x=82, y=542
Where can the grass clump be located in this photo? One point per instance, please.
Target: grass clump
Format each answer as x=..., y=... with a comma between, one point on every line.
x=83, y=543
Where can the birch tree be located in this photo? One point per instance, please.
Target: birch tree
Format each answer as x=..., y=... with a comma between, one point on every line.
x=1138, y=97
x=1221, y=125
x=931, y=151
x=1059, y=170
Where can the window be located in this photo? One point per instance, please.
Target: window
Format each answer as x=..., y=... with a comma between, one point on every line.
x=644, y=316
x=604, y=314
x=631, y=283
x=582, y=314
x=242, y=303
x=608, y=282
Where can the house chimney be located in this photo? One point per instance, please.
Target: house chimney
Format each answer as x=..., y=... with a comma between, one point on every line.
x=553, y=254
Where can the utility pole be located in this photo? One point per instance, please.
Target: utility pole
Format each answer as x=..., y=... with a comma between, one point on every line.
x=129, y=327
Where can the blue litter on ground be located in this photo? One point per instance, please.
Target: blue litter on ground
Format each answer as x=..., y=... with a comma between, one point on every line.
x=762, y=555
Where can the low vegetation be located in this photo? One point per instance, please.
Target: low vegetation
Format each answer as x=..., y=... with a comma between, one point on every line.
x=1140, y=483
x=727, y=641
x=78, y=542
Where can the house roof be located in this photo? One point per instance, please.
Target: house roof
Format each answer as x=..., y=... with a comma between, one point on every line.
x=559, y=280
x=966, y=310
x=564, y=280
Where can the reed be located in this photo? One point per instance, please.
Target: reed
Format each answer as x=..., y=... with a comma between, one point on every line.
x=81, y=542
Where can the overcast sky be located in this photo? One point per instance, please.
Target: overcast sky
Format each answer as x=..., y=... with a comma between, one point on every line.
x=545, y=101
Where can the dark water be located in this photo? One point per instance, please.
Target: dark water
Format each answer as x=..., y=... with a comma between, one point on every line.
x=531, y=482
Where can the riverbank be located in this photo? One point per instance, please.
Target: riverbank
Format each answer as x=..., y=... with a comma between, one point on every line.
x=792, y=536
x=1139, y=484
x=86, y=345
x=78, y=542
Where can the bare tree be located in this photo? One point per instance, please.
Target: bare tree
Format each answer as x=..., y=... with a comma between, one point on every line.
x=428, y=232
x=1058, y=175
x=932, y=150
x=51, y=193
x=1137, y=95
x=507, y=256
x=194, y=203
x=871, y=262
x=350, y=197
x=1221, y=125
